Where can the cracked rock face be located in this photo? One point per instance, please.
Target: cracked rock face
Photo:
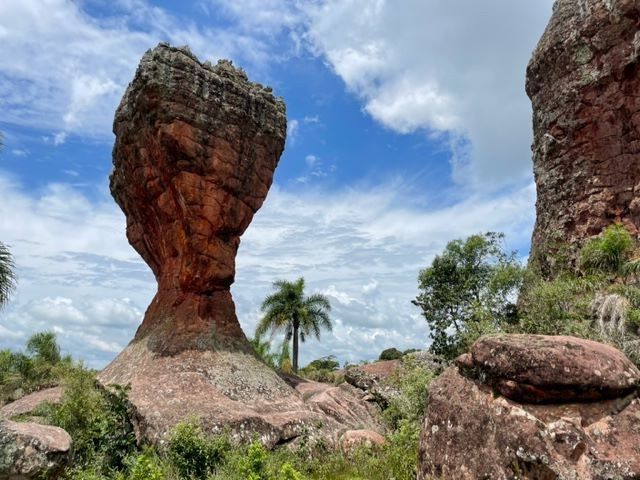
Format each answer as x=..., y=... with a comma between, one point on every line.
x=195, y=152
x=584, y=84
x=472, y=418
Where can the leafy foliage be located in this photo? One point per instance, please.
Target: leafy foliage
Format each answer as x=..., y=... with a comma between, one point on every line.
x=323, y=370
x=42, y=366
x=471, y=284
x=97, y=420
x=7, y=275
x=289, y=310
x=559, y=307
x=609, y=252
x=391, y=354
x=192, y=454
x=410, y=381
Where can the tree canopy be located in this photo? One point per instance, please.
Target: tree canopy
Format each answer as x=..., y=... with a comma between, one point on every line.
x=289, y=310
x=469, y=288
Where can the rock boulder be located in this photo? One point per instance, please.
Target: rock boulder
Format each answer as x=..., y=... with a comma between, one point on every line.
x=472, y=431
x=541, y=368
x=30, y=450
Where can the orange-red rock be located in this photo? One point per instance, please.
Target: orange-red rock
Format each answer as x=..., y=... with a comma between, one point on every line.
x=584, y=84
x=195, y=152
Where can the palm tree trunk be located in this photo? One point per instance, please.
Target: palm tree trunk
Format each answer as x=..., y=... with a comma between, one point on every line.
x=295, y=348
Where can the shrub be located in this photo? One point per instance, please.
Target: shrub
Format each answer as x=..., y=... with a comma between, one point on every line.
x=97, y=421
x=609, y=252
x=410, y=381
x=559, y=307
x=391, y=354
x=145, y=467
x=192, y=454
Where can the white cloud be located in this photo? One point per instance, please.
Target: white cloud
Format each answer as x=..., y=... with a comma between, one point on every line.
x=61, y=69
x=59, y=138
x=362, y=247
x=444, y=67
x=293, y=126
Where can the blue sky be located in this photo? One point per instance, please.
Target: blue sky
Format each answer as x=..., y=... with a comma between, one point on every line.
x=408, y=127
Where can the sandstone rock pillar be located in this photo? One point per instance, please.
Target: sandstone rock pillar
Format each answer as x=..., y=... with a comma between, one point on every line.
x=584, y=84
x=195, y=152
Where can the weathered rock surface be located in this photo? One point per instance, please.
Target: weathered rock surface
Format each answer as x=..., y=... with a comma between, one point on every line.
x=541, y=368
x=352, y=439
x=31, y=402
x=368, y=377
x=583, y=82
x=471, y=431
x=195, y=152
x=30, y=450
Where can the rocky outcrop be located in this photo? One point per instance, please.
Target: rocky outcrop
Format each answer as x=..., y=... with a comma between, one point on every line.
x=542, y=369
x=29, y=450
x=471, y=418
x=583, y=81
x=29, y=403
x=195, y=152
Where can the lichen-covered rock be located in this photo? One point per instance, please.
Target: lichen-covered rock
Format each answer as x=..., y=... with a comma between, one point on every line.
x=542, y=368
x=31, y=402
x=472, y=431
x=583, y=81
x=195, y=152
x=30, y=450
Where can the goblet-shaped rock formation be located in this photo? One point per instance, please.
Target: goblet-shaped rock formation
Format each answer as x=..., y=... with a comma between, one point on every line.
x=196, y=148
x=583, y=81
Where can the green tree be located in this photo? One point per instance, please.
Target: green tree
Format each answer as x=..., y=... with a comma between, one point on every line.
x=299, y=316
x=468, y=290
x=7, y=275
x=262, y=347
x=43, y=346
x=391, y=354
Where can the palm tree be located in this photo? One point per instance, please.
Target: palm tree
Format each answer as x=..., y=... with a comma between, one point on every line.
x=299, y=316
x=7, y=275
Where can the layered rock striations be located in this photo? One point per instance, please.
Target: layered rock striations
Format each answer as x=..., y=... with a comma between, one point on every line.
x=533, y=407
x=195, y=152
x=584, y=84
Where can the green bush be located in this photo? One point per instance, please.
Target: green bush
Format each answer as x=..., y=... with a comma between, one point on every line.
x=609, y=252
x=192, y=454
x=559, y=307
x=391, y=354
x=145, y=467
x=410, y=381
x=97, y=421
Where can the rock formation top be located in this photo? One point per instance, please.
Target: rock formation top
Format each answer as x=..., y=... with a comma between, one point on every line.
x=196, y=148
x=583, y=81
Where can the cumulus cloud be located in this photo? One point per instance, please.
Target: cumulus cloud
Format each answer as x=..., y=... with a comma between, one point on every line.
x=361, y=247
x=67, y=70
x=454, y=69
